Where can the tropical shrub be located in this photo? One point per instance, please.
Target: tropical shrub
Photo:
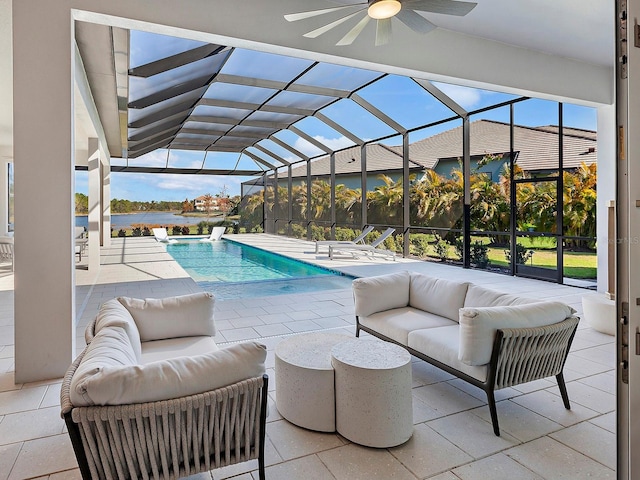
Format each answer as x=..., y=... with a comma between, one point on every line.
x=136, y=232
x=522, y=254
x=122, y=233
x=176, y=230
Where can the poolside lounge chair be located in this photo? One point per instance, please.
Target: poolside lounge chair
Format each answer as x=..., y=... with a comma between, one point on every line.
x=216, y=233
x=6, y=250
x=371, y=250
x=162, y=235
x=358, y=240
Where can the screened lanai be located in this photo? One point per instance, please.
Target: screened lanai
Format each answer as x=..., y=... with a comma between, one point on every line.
x=472, y=177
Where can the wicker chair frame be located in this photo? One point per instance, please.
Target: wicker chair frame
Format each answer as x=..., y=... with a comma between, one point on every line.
x=519, y=355
x=172, y=438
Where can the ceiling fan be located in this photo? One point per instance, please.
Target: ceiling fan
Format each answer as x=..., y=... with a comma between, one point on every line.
x=383, y=11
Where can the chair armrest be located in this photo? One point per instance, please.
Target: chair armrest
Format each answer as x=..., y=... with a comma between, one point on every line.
x=522, y=355
x=377, y=294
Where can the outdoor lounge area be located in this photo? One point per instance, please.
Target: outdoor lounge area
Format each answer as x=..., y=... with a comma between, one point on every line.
x=452, y=435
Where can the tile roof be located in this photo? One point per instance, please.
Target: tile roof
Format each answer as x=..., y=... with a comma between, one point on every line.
x=536, y=148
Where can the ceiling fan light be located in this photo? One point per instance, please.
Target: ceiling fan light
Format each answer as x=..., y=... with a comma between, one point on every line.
x=382, y=9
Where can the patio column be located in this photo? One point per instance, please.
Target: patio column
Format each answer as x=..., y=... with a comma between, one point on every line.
x=105, y=199
x=93, y=159
x=43, y=134
x=606, y=187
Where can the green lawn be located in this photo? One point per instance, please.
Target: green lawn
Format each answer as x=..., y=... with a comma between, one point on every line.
x=576, y=264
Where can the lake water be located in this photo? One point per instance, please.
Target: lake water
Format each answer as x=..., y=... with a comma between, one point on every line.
x=150, y=218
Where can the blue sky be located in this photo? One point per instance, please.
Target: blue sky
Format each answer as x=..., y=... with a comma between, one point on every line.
x=398, y=97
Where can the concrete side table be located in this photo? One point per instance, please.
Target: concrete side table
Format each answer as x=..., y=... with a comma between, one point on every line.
x=305, y=393
x=373, y=392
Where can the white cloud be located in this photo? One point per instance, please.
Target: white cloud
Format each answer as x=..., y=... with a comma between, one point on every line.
x=333, y=143
x=464, y=96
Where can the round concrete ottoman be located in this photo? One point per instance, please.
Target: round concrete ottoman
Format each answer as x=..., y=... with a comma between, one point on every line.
x=304, y=380
x=373, y=392
x=600, y=312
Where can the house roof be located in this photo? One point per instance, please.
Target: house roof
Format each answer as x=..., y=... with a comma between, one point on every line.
x=536, y=149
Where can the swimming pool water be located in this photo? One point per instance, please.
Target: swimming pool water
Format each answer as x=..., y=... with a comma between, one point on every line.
x=234, y=270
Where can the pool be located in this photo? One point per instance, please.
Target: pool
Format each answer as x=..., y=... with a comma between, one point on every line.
x=234, y=270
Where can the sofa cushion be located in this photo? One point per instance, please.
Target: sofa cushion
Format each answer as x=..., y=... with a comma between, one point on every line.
x=483, y=297
x=397, y=323
x=442, y=344
x=384, y=292
x=437, y=295
x=478, y=325
x=113, y=314
x=110, y=348
x=181, y=316
x=173, y=378
x=176, y=347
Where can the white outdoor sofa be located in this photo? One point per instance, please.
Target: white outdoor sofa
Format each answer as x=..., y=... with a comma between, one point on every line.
x=152, y=395
x=489, y=339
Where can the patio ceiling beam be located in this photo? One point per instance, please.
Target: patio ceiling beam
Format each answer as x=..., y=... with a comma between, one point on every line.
x=163, y=116
x=212, y=102
x=178, y=60
x=442, y=97
x=201, y=82
x=152, y=133
x=379, y=114
x=203, y=131
x=160, y=141
x=339, y=128
x=257, y=135
x=266, y=151
x=234, y=122
x=275, y=85
x=190, y=171
x=286, y=146
x=137, y=153
x=310, y=139
x=256, y=158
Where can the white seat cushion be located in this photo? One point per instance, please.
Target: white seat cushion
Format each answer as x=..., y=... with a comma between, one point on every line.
x=113, y=314
x=384, y=292
x=437, y=295
x=483, y=297
x=397, y=323
x=176, y=347
x=442, y=344
x=478, y=326
x=172, y=378
x=181, y=316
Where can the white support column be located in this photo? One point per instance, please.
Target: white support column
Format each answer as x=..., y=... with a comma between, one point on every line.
x=105, y=198
x=95, y=209
x=606, y=187
x=44, y=177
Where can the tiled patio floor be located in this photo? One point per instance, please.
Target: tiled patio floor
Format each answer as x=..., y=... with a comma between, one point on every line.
x=452, y=439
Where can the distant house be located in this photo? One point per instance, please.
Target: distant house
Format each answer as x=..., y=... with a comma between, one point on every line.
x=536, y=151
x=200, y=203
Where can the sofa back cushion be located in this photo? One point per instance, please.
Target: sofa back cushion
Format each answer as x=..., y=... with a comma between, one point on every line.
x=437, y=295
x=172, y=378
x=113, y=314
x=181, y=316
x=483, y=297
x=377, y=294
x=478, y=326
x=110, y=348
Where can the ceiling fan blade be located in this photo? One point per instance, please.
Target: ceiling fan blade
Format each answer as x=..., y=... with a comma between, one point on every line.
x=294, y=17
x=383, y=31
x=354, y=32
x=319, y=31
x=448, y=7
x=415, y=21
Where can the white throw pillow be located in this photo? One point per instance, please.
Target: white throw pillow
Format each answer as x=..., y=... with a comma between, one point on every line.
x=437, y=295
x=175, y=377
x=113, y=314
x=384, y=292
x=478, y=326
x=181, y=316
x=110, y=348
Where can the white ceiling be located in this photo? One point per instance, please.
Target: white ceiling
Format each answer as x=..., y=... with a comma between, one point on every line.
x=550, y=30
